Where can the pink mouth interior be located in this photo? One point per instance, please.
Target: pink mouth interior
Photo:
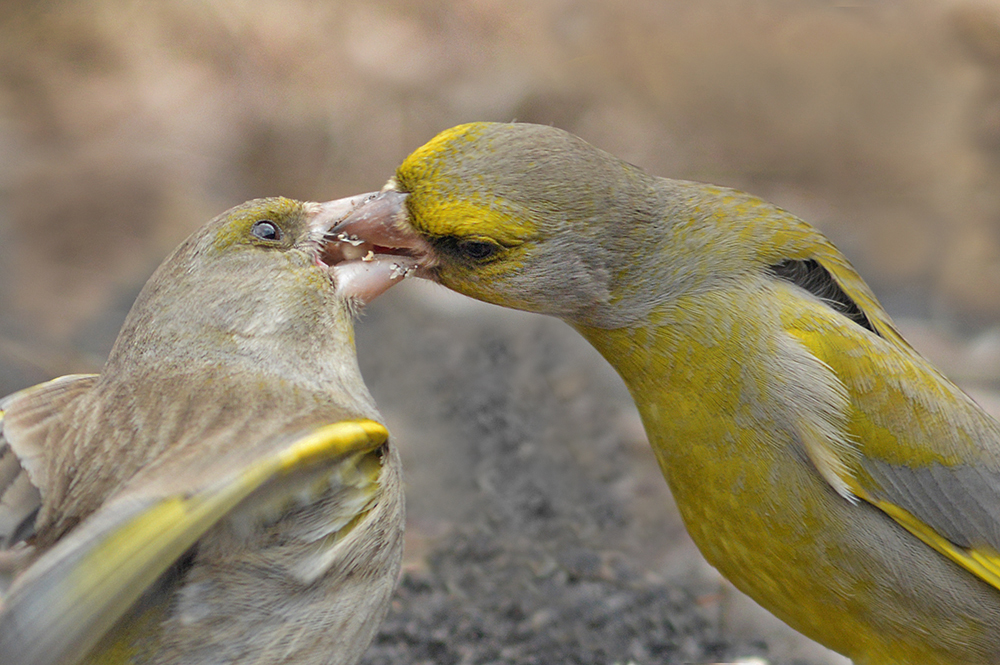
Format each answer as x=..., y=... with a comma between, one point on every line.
x=364, y=270
x=340, y=248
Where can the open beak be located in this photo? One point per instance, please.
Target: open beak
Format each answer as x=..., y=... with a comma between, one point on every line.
x=369, y=245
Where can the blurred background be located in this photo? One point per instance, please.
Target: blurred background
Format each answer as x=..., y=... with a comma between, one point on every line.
x=539, y=528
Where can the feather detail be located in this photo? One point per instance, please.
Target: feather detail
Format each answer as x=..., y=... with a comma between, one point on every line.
x=133, y=539
x=983, y=562
x=29, y=415
x=819, y=404
x=20, y=500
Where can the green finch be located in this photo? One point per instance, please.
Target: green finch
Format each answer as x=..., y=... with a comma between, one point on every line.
x=820, y=463
x=223, y=491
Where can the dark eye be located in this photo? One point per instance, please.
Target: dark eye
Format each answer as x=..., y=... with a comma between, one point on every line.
x=477, y=250
x=266, y=230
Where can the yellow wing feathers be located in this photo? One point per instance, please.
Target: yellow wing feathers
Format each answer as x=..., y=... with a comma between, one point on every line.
x=83, y=585
x=872, y=376
x=982, y=561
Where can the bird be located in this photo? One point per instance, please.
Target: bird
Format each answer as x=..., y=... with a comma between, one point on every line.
x=224, y=490
x=818, y=461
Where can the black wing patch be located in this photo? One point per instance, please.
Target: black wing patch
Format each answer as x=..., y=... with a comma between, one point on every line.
x=815, y=279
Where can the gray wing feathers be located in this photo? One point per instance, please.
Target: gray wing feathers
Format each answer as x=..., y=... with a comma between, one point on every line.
x=20, y=500
x=959, y=502
x=26, y=418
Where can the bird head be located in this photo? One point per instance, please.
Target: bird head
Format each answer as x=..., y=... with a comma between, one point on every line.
x=520, y=215
x=255, y=287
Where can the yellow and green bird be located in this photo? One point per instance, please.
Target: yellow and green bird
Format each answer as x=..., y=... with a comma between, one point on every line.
x=820, y=463
x=223, y=491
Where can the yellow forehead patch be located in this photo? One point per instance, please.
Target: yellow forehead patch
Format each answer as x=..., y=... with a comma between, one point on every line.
x=442, y=147
x=443, y=201
x=464, y=218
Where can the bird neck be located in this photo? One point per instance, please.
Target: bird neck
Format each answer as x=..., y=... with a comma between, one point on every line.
x=681, y=364
x=301, y=338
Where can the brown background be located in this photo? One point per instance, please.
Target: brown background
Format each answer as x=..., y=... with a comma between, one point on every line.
x=125, y=125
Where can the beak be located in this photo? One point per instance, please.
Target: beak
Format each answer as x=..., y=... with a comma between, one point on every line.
x=372, y=247
x=326, y=215
x=381, y=221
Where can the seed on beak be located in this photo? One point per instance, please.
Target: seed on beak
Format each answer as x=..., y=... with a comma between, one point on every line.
x=351, y=240
x=352, y=251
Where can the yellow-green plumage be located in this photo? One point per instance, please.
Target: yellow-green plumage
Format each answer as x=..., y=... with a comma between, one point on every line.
x=818, y=461
x=223, y=491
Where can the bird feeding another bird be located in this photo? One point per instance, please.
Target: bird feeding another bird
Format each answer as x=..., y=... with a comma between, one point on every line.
x=819, y=462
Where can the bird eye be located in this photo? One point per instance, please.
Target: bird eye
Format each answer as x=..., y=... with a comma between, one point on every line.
x=477, y=250
x=266, y=230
